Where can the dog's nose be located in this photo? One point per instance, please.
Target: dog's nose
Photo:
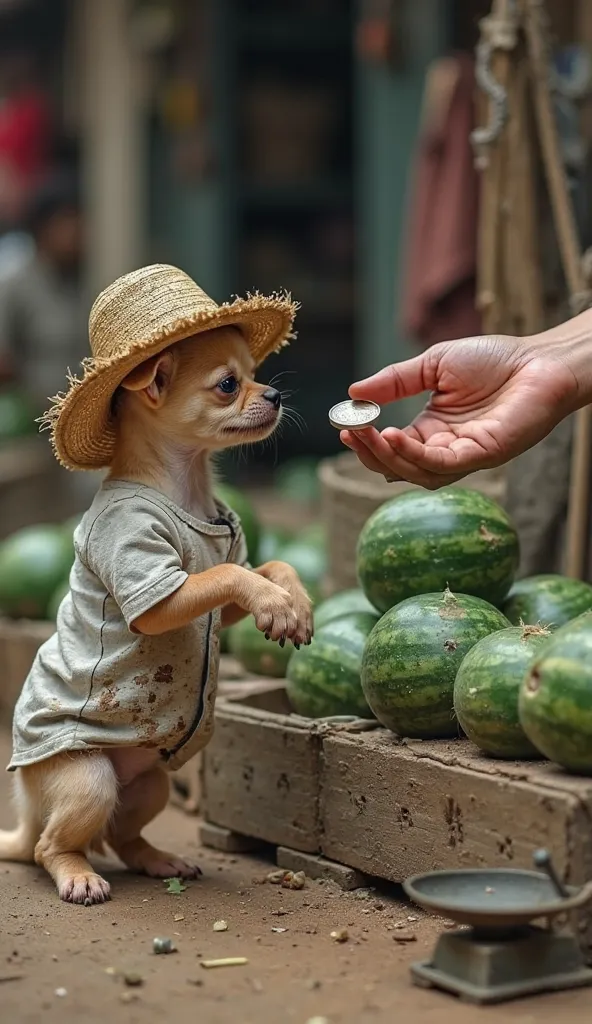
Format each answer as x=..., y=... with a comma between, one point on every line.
x=273, y=396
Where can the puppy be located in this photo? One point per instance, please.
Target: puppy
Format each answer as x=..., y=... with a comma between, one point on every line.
x=124, y=691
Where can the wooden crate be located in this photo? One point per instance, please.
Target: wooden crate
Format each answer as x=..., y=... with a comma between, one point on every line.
x=261, y=771
x=389, y=808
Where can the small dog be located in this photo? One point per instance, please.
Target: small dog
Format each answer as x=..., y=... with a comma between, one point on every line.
x=125, y=689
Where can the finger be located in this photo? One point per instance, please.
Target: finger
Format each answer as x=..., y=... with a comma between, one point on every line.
x=459, y=457
x=401, y=380
x=380, y=450
x=366, y=457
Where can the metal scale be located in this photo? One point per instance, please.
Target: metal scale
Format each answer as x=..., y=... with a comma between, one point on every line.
x=502, y=955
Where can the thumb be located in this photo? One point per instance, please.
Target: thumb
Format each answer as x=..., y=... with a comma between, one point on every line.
x=400, y=380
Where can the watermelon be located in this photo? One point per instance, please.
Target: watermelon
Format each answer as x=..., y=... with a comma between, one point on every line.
x=33, y=563
x=550, y=599
x=341, y=604
x=255, y=653
x=412, y=657
x=271, y=544
x=236, y=500
x=56, y=600
x=298, y=480
x=555, y=703
x=16, y=415
x=324, y=679
x=310, y=562
x=422, y=542
x=487, y=687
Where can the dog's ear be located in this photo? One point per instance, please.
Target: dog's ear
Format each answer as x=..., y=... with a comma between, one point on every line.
x=151, y=378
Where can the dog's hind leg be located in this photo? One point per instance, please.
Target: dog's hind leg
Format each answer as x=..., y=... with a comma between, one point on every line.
x=79, y=792
x=140, y=802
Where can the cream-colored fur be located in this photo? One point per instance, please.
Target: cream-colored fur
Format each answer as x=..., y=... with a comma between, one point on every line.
x=171, y=414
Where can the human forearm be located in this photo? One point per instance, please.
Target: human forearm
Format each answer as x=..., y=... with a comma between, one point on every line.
x=570, y=342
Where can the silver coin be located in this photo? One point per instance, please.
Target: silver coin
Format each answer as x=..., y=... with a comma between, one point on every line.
x=353, y=415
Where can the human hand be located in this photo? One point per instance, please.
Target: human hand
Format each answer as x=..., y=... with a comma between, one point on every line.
x=491, y=399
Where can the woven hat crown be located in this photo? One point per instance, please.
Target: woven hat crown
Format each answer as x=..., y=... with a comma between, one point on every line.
x=149, y=301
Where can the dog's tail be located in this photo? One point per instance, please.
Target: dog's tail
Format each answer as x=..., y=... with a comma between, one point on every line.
x=19, y=845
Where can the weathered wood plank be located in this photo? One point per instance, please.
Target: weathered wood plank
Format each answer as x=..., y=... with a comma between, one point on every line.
x=261, y=773
x=393, y=809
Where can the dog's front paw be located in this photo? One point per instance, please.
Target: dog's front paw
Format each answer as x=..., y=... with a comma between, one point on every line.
x=274, y=612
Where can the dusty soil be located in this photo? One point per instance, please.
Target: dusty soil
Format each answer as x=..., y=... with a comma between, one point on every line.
x=68, y=964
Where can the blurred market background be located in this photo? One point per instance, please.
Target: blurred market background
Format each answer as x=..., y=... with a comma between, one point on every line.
x=319, y=146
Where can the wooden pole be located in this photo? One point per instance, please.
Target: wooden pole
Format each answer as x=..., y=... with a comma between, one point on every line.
x=577, y=541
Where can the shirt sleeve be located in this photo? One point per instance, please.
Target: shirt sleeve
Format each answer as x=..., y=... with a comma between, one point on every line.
x=135, y=550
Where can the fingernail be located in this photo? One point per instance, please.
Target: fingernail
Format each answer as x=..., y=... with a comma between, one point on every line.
x=282, y=641
x=297, y=646
x=267, y=636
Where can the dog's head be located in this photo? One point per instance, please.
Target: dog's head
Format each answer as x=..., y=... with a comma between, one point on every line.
x=201, y=392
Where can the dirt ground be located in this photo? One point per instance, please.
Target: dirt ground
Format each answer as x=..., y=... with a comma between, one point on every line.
x=69, y=964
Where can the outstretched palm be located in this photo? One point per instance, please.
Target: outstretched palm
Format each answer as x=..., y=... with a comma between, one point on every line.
x=491, y=399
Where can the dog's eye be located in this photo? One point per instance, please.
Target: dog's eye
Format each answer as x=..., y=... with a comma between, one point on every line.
x=228, y=386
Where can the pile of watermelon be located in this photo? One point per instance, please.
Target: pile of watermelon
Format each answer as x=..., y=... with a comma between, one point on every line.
x=457, y=644
x=35, y=564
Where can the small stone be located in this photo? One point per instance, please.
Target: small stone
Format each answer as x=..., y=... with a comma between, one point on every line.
x=312, y=984
x=61, y=992
x=405, y=937
x=412, y=917
x=318, y=1020
x=257, y=986
x=111, y=970
x=220, y=926
x=163, y=945
x=179, y=917
x=132, y=979
x=489, y=889
x=279, y=931
x=340, y=935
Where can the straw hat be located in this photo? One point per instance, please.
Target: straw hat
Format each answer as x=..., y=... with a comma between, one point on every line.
x=136, y=317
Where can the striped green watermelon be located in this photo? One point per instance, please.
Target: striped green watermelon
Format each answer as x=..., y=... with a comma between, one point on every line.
x=309, y=559
x=487, y=687
x=422, y=542
x=555, y=703
x=338, y=605
x=324, y=679
x=255, y=653
x=412, y=657
x=271, y=543
x=550, y=599
x=33, y=563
